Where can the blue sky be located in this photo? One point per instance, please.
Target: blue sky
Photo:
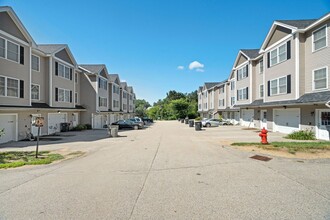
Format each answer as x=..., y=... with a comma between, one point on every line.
x=146, y=41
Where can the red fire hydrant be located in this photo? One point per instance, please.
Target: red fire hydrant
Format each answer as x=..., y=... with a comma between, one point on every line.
x=263, y=135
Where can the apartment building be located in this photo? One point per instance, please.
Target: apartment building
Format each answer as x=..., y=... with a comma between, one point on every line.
x=35, y=80
x=284, y=85
x=207, y=106
x=124, y=99
x=44, y=80
x=131, y=101
x=115, y=98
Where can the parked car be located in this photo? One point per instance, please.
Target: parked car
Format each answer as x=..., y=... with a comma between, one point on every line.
x=147, y=120
x=213, y=122
x=127, y=124
x=137, y=120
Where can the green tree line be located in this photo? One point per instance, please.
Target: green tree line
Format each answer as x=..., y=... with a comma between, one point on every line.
x=175, y=105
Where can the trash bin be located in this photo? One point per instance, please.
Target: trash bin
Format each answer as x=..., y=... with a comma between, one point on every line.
x=182, y=120
x=191, y=123
x=114, y=130
x=186, y=121
x=64, y=126
x=198, y=126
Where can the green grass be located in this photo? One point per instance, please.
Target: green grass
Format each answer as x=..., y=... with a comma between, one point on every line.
x=302, y=135
x=292, y=147
x=13, y=159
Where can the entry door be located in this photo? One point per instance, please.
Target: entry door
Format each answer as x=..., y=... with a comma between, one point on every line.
x=8, y=123
x=323, y=122
x=75, y=119
x=263, y=119
x=34, y=129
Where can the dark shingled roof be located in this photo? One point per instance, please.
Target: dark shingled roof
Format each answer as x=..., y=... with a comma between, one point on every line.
x=251, y=53
x=95, y=68
x=209, y=85
x=50, y=48
x=40, y=105
x=113, y=77
x=300, y=24
x=309, y=98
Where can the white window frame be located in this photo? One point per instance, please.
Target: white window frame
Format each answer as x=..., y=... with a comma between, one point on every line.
x=326, y=38
x=33, y=84
x=278, y=86
x=6, y=87
x=232, y=85
x=33, y=55
x=232, y=100
x=64, y=68
x=241, y=73
x=241, y=95
x=221, y=103
x=103, y=102
x=64, y=91
x=103, y=83
x=326, y=74
x=261, y=62
x=18, y=51
x=278, y=54
x=76, y=97
x=261, y=95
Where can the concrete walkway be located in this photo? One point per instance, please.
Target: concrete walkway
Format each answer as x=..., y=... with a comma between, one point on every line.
x=167, y=171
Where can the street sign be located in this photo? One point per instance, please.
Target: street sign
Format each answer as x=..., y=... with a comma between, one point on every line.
x=39, y=122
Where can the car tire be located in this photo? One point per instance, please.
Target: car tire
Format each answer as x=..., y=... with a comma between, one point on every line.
x=208, y=125
x=136, y=127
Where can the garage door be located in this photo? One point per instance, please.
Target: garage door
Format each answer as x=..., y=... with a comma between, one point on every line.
x=54, y=121
x=286, y=120
x=97, y=121
x=247, y=117
x=8, y=123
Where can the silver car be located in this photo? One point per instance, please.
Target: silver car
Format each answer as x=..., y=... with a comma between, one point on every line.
x=213, y=122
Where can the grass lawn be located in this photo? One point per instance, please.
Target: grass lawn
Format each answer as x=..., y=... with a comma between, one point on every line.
x=291, y=147
x=13, y=159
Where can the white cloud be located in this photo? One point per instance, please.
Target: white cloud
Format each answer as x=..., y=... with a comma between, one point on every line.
x=196, y=65
x=180, y=67
x=200, y=70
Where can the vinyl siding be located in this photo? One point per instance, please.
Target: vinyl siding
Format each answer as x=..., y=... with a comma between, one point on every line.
x=241, y=60
x=7, y=25
x=63, y=55
x=257, y=79
x=317, y=59
x=42, y=79
x=278, y=34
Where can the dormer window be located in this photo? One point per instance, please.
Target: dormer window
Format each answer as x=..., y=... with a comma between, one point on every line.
x=320, y=38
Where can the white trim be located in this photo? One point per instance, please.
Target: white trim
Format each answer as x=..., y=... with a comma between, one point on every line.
x=297, y=65
x=278, y=85
x=278, y=54
x=327, y=75
x=14, y=38
x=58, y=91
x=250, y=75
x=317, y=22
x=326, y=38
x=31, y=61
x=242, y=64
x=6, y=87
x=64, y=66
x=62, y=61
x=6, y=51
x=30, y=75
x=278, y=43
x=50, y=86
x=34, y=84
x=16, y=120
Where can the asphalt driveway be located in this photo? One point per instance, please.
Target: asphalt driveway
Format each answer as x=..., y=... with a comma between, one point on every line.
x=167, y=171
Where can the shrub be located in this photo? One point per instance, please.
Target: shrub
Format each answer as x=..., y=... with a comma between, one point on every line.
x=88, y=126
x=79, y=128
x=302, y=135
x=198, y=119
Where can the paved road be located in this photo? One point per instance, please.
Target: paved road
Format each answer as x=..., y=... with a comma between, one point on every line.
x=168, y=171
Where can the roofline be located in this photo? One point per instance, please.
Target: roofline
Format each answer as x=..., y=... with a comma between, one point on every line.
x=318, y=21
x=18, y=22
x=79, y=67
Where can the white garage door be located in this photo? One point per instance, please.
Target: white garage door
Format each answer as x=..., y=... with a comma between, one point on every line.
x=286, y=120
x=247, y=117
x=8, y=123
x=54, y=121
x=97, y=121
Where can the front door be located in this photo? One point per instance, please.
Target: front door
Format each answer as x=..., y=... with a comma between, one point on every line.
x=75, y=119
x=34, y=129
x=263, y=119
x=322, y=124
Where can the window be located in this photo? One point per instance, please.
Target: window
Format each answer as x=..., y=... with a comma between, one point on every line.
x=76, y=77
x=76, y=97
x=35, y=63
x=115, y=103
x=232, y=100
x=261, y=66
x=103, y=83
x=221, y=102
x=242, y=94
x=124, y=107
x=35, y=91
x=130, y=97
x=115, y=89
x=103, y=102
x=221, y=89
x=124, y=95
x=63, y=95
x=320, y=38
x=320, y=78
x=278, y=86
x=12, y=87
x=278, y=55
x=232, y=85
x=2, y=47
x=242, y=73
x=9, y=87
x=12, y=51
x=261, y=91
x=63, y=71
x=325, y=118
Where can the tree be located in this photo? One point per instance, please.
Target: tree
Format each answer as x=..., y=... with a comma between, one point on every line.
x=141, y=106
x=180, y=107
